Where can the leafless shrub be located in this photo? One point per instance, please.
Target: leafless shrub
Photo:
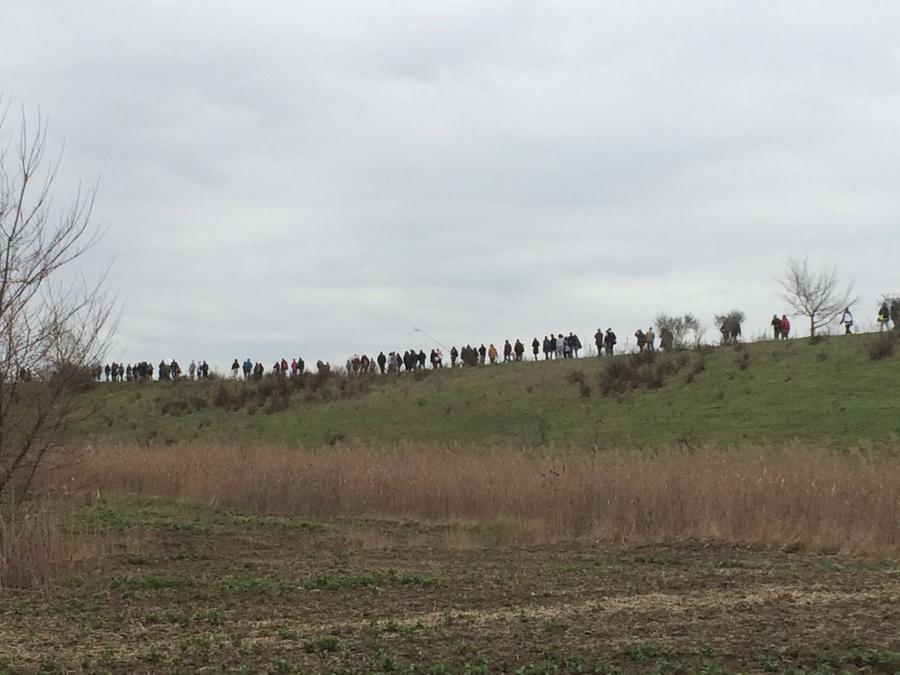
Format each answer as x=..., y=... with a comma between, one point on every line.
x=729, y=326
x=815, y=295
x=882, y=346
x=686, y=331
x=53, y=324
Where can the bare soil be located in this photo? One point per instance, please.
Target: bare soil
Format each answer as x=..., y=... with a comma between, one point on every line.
x=202, y=590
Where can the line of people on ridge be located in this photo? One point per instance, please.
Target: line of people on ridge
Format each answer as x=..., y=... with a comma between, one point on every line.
x=553, y=347
x=561, y=346
x=143, y=371
x=256, y=371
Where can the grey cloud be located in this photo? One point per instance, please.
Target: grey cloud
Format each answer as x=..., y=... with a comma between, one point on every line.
x=300, y=178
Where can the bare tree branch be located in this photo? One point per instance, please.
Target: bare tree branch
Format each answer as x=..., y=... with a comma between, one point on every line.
x=815, y=295
x=53, y=324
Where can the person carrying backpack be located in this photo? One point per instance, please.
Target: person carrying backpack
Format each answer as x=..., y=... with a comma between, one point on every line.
x=609, y=342
x=884, y=316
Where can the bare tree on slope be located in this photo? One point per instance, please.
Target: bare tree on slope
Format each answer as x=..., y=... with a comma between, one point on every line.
x=53, y=323
x=815, y=295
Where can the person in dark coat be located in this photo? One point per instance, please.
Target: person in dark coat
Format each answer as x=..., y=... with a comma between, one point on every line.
x=776, y=326
x=507, y=351
x=576, y=344
x=609, y=342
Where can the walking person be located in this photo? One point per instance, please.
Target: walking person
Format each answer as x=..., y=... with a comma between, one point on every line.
x=535, y=348
x=576, y=344
x=847, y=321
x=884, y=316
x=776, y=326
x=785, y=327
x=609, y=342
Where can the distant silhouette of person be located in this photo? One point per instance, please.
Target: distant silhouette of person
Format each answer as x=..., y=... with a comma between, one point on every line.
x=576, y=344
x=641, y=339
x=847, y=321
x=785, y=327
x=884, y=316
x=609, y=342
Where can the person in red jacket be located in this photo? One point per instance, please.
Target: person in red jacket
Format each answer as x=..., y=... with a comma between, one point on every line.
x=785, y=327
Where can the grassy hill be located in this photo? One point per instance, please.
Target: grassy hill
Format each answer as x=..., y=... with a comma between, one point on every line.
x=762, y=392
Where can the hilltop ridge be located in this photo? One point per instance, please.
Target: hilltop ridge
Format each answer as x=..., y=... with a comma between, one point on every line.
x=828, y=390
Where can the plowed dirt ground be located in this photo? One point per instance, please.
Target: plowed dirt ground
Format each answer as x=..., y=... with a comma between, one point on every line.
x=191, y=589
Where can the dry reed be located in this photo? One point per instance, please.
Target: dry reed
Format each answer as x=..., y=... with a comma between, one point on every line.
x=36, y=544
x=800, y=497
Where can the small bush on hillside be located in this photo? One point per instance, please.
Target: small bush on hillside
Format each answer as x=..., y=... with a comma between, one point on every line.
x=743, y=361
x=576, y=377
x=351, y=387
x=729, y=326
x=882, y=346
x=698, y=367
x=276, y=404
x=647, y=369
x=221, y=397
x=685, y=330
x=620, y=375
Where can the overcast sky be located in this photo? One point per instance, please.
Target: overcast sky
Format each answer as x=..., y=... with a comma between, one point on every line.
x=291, y=178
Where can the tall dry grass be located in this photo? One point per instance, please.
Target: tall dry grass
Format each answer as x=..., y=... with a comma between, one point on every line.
x=37, y=543
x=792, y=496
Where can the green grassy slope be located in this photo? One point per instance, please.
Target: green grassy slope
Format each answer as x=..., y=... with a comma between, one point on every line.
x=782, y=391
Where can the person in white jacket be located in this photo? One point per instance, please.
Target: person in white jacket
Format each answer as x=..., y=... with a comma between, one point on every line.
x=847, y=321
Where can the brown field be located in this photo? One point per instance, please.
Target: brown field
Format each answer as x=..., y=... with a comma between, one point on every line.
x=199, y=558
